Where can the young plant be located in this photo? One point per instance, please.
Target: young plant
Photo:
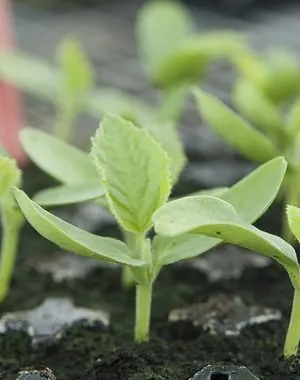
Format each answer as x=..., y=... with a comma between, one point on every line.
x=217, y=219
x=73, y=168
x=175, y=55
x=76, y=83
x=272, y=135
x=135, y=174
x=12, y=221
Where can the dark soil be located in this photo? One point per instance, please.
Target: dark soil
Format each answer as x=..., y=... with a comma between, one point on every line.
x=175, y=352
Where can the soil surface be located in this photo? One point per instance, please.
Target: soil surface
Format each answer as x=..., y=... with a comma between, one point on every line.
x=176, y=351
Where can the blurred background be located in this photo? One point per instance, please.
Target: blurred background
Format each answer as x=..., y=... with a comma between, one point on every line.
x=106, y=31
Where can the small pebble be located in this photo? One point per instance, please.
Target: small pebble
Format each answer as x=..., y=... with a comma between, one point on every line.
x=227, y=262
x=50, y=319
x=67, y=266
x=44, y=374
x=224, y=314
x=224, y=372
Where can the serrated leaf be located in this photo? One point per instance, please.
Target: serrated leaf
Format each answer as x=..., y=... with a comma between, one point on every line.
x=190, y=61
x=70, y=194
x=161, y=27
x=135, y=171
x=293, y=214
x=258, y=109
x=233, y=129
x=266, y=180
x=167, y=135
x=216, y=218
x=60, y=160
x=77, y=73
x=72, y=238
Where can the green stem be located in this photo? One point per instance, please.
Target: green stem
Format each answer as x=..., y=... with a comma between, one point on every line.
x=65, y=120
x=292, y=197
x=9, y=245
x=293, y=335
x=128, y=280
x=143, y=312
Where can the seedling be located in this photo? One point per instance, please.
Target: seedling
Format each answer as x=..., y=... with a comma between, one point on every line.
x=76, y=83
x=175, y=55
x=135, y=173
x=274, y=135
x=216, y=218
x=80, y=179
x=12, y=221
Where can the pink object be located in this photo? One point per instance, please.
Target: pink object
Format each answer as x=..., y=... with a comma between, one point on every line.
x=11, y=110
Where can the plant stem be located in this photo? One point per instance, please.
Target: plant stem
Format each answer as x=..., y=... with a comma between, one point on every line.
x=143, y=312
x=9, y=245
x=292, y=197
x=293, y=334
x=65, y=118
x=128, y=280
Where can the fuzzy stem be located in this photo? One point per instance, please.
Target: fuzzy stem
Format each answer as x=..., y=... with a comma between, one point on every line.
x=9, y=245
x=143, y=312
x=293, y=334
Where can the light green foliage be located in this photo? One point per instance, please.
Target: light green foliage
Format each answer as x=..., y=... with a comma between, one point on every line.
x=135, y=172
x=167, y=135
x=257, y=108
x=276, y=74
x=191, y=61
x=72, y=238
x=207, y=215
x=12, y=221
x=250, y=205
x=233, y=129
x=294, y=220
x=70, y=194
x=161, y=27
x=10, y=175
x=172, y=52
x=60, y=160
x=77, y=73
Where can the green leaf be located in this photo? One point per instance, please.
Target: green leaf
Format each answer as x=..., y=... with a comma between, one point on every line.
x=266, y=180
x=10, y=175
x=161, y=27
x=190, y=61
x=135, y=171
x=283, y=80
x=257, y=108
x=30, y=74
x=77, y=73
x=106, y=100
x=169, y=250
x=173, y=102
x=293, y=214
x=167, y=135
x=64, y=162
x=234, y=130
x=70, y=194
x=216, y=218
x=72, y=238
